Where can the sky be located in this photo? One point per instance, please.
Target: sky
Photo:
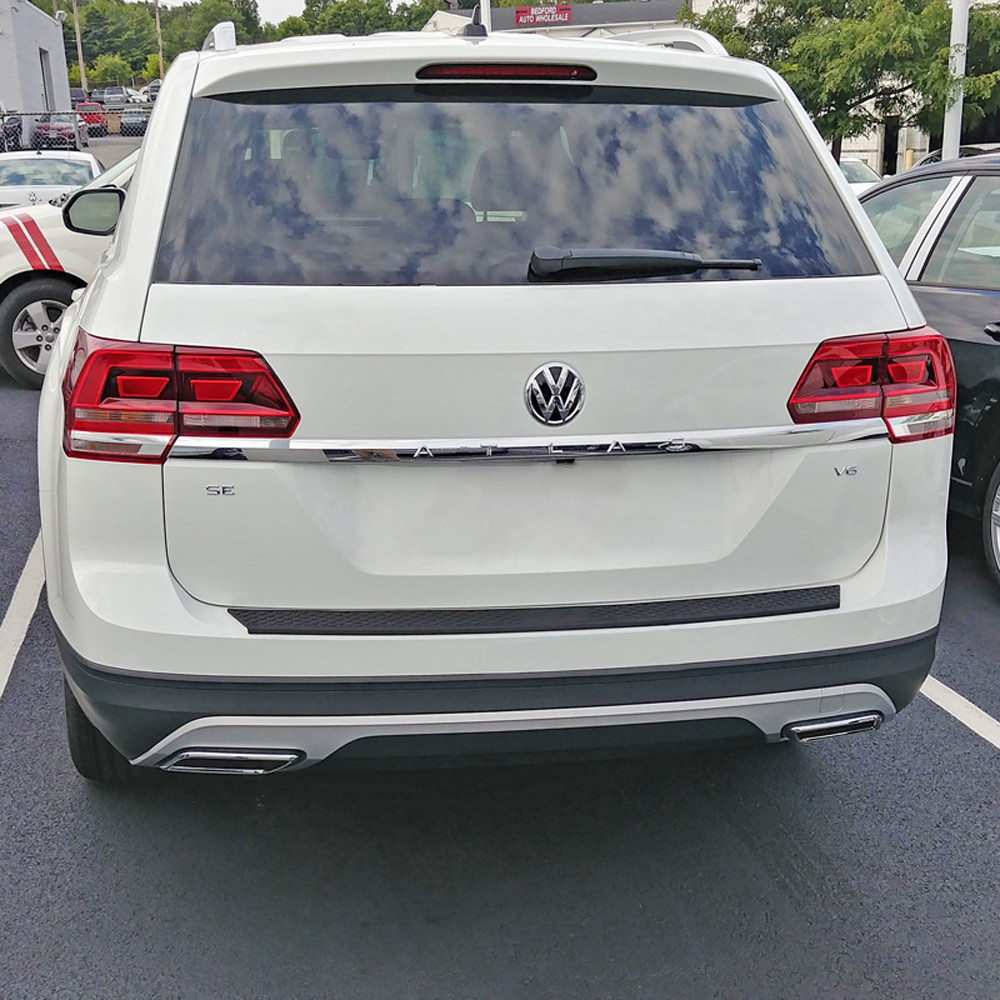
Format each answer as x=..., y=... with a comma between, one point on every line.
x=276, y=11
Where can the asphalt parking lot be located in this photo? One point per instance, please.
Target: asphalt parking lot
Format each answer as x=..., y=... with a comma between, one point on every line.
x=110, y=149
x=864, y=867
x=855, y=868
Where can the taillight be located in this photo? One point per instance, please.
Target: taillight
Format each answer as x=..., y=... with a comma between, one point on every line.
x=907, y=379
x=505, y=71
x=127, y=402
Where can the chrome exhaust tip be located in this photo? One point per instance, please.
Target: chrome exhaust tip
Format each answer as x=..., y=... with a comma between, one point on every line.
x=250, y=762
x=841, y=725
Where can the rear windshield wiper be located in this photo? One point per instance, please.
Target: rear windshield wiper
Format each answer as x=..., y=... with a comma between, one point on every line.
x=555, y=264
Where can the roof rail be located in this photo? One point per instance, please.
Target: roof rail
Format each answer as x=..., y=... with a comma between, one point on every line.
x=221, y=38
x=676, y=37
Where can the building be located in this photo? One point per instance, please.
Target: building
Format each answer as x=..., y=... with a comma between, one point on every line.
x=32, y=59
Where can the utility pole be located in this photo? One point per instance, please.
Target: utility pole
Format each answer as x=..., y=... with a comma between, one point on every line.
x=79, y=49
x=159, y=36
x=952, y=138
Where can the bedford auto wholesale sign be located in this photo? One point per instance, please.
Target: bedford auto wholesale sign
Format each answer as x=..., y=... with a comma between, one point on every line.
x=543, y=15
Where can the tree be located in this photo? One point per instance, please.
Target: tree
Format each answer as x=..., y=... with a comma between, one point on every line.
x=249, y=15
x=289, y=28
x=109, y=69
x=413, y=16
x=854, y=62
x=348, y=17
x=186, y=27
x=113, y=27
x=151, y=71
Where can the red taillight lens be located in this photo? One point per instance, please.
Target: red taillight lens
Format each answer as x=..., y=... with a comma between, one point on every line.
x=906, y=378
x=505, y=71
x=231, y=394
x=127, y=402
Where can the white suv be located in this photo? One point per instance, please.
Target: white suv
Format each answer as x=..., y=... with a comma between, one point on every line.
x=463, y=394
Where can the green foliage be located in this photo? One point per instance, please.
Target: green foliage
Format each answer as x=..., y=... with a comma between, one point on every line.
x=73, y=72
x=185, y=27
x=109, y=69
x=151, y=71
x=112, y=27
x=854, y=62
x=289, y=28
x=248, y=14
x=355, y=17
x=413, y=16
x=364, y=17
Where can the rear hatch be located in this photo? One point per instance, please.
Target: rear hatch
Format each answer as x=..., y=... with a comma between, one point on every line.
x=373, y=247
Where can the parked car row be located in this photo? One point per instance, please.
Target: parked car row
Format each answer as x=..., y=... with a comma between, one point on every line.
x=116, y=96
x=71, y=129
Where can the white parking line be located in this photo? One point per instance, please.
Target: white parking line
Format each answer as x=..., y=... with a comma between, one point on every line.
x=962, y=709
x=20, y=611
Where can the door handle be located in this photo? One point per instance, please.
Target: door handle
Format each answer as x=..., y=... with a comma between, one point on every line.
x=992, y=330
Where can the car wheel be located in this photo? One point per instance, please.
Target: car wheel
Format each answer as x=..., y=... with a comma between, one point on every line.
x=30, y=321
x=991, y=525
x=93, y=756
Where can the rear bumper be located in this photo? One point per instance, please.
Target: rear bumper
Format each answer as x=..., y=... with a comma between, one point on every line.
x=151, y=718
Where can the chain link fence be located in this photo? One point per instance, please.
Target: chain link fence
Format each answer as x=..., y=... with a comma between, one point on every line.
x=72, y=129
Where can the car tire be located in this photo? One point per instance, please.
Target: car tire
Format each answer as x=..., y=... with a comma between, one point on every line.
x=991, y=525
x=26, y=362
x=93, y=756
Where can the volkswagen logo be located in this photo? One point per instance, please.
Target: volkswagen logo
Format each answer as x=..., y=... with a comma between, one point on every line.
x=554, y=393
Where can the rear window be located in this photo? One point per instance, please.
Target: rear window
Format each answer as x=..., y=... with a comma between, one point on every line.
x=456, y=185
x=36, y=170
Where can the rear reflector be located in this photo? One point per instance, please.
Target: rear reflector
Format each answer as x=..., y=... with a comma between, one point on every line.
x=127, y=402
x=504, y=71
x=906, y=378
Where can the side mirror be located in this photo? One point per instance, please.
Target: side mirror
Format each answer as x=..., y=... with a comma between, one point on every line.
x=94, y=212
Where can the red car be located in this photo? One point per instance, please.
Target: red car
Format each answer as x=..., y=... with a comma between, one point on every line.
x=62, y=129
x=92, y=115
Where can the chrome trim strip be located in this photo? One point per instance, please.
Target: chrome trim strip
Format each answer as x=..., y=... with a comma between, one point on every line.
x=247, y=762
x=841, y=725
x=527, y=449
x=125, y=444
x=319, y=736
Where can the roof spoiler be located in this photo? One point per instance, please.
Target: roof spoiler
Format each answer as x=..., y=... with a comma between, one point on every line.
x=678, y=37
x=221, y=38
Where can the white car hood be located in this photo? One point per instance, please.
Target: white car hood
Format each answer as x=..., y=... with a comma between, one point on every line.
x=32, y=194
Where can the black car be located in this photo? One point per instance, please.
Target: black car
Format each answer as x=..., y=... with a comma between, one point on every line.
x=11, y=130
x=941, y=224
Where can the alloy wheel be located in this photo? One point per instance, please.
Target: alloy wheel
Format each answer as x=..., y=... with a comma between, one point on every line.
x=35, y=330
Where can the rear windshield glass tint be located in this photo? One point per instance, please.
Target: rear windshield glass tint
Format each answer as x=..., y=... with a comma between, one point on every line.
x=30, y=170
x=455, y=185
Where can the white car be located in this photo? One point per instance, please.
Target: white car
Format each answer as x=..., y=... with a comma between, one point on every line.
x=485, y=394
x=41, y=264
x=859, y=175
x=30, y=177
